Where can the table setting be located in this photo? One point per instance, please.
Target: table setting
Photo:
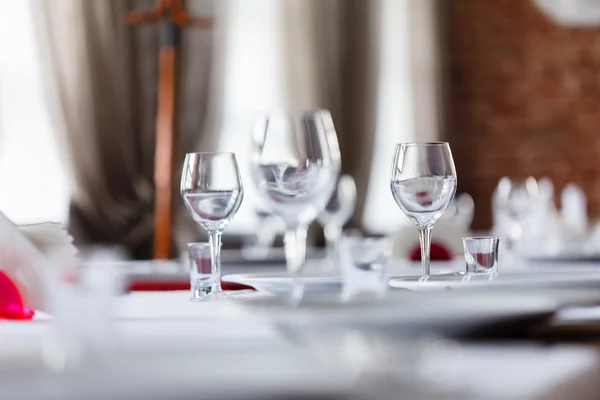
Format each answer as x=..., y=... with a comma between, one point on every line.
x=386, y=312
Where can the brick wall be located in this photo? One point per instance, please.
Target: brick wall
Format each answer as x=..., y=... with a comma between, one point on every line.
x=523, y=99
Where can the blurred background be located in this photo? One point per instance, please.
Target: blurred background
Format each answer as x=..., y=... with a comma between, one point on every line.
x=513, y=88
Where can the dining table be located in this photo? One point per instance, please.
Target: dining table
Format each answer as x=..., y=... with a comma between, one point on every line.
x=533, y=335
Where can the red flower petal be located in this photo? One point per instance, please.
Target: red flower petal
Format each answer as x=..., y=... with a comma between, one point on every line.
x=438, y=252
x=11, y=302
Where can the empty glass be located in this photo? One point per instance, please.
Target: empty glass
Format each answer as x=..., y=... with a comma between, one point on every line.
x=212, y=191
x=338, y=211
x=201, y=273
x=481, y=254
x=295, y=166
x=513, y=204
x=260, y=244
x=423, y=182
x=84, y=329
x=364, y=263
x=462, y=209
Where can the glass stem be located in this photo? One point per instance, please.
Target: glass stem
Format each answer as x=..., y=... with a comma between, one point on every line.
x=333, y=233
x=215, y=256
x=295, y=255
x=425, y=240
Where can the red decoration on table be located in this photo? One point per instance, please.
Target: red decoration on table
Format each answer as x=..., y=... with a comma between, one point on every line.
x=11, y=302
x=162, y=286
x=438, y=252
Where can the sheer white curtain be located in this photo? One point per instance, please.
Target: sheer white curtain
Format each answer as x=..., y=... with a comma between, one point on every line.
x=34, y=185
x=409, y=99
x=254, y=83
x=408, y=92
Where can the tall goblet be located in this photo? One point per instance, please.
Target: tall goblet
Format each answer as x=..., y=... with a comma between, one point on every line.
x=514, y=205
x=295, y=166
x=212, y=191
x=423, y=182
x=337, y=212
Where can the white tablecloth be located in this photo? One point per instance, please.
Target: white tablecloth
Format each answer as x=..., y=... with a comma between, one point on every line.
x=215, y=348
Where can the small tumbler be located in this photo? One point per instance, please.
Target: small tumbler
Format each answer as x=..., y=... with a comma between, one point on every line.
x=201, y=276
x=364, y=263
x=481, y=254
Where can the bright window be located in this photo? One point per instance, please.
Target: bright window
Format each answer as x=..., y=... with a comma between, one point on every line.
x=34, y=184
x=395, y=115
x=253, y=84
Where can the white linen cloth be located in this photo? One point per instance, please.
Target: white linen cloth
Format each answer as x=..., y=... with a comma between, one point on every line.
x=233, y=344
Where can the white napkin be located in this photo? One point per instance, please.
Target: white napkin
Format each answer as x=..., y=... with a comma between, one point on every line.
x=34, y=257
x=576, y=13
x=53, y=241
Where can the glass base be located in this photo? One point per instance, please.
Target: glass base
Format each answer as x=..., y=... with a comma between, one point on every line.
x=449, y=277
x=200, y=294
x=236, y=293
x=222, y=295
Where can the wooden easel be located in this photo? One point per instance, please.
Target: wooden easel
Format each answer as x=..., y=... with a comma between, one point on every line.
x=172, y=16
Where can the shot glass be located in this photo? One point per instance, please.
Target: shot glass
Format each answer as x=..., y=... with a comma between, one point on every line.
x=364, y=263
x=201, y=275
x=481, y=254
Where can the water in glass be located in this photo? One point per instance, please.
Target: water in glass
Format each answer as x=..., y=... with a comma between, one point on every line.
x=424, y=200
x=213, y=209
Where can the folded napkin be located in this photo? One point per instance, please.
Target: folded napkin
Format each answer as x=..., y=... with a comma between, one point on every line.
x=53, y=241
x=33, y=260
x=446, y=240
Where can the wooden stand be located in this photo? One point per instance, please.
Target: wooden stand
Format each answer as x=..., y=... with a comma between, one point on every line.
x=172, y=17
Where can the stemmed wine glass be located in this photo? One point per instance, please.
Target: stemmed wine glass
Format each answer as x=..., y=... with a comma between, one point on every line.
x=514, y=204
x=295, y=166
x=337, y=212
x=423, y=182
x=212, y=191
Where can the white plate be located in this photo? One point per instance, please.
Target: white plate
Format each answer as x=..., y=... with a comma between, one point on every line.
x=517, y=279
x=276, y=255
x=279, y=283
x=564, y=257
x=402, y=313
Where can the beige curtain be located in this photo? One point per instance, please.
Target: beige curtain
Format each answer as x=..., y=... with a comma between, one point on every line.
x=101, y=78
x=427, y=59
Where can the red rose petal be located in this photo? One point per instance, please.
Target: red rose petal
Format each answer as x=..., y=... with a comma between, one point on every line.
x=438, y=252
x=11, y=303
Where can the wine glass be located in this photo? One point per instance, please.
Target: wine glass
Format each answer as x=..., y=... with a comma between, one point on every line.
x=337, y=212
x=212, y=191
x=295, y=166
x=260, y=244
x=514, y=204
x=423, y=183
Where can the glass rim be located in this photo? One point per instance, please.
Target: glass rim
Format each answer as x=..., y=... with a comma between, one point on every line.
x=292, y=112
x=210, y=153
x=423, y=144
x=472, y=238
x=198, y=244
